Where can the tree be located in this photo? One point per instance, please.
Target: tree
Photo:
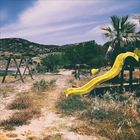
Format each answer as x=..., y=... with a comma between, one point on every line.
x=120, y=33
x=88, y=53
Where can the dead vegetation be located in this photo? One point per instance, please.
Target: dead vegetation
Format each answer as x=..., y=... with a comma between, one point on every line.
x=57, y=136
x=6, y=90
x=25, y=108
x=113, y=116
x=27, y=105
x=23, y=101
x=83, y=129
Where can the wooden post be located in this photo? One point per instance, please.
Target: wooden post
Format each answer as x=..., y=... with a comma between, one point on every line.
x=19, y=67
x=139, y=76
x=122, y=78
x=78, y=71
x=6, y=70
x=130, y=78
x=18, y=70
x=27, y=67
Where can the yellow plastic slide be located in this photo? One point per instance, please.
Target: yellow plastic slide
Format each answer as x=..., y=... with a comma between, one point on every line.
x=94, y=71
x=113, y=72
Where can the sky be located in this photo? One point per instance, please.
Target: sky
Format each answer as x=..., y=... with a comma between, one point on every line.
x=62, y=21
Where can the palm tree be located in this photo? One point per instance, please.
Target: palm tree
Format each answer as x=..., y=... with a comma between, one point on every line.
x=120, y=33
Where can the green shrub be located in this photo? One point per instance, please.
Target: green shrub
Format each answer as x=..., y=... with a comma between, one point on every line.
x=97, y=113
x=90, y=53
x=40, y=85
x=51, y=62
x=52, y=83
x=40, y=69
x=71, y=105
x=114, y=116
x=43, y=85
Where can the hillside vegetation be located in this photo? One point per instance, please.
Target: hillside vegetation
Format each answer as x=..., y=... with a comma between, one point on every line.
x=53, y=56
x=18, y=45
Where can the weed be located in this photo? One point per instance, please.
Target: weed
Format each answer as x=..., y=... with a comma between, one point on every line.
x=40, y=85
x=43, y=85
x=83, y=129
x=17, y=119
x=20, y=118
x=21, y=102
x=53, y=137
x=71, y=104
x=52, y=82
x=11, y=135
x=113, y=116
x=26, y=111
x=6, y=90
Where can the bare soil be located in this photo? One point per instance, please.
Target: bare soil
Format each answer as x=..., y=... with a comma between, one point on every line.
x=51, y=124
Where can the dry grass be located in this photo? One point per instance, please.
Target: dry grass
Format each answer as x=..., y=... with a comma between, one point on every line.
x=26, y=110
x=5, y=90
x=31, y=138
x=27, y=106
x=21, y=102
x=116, y=117
x=11, y=135
x=57, y=136
x=20, y=118
x=9, y=78
x=83, y=129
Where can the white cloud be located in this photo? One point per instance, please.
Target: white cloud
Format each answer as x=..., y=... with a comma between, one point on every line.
x=47, y=16
x=39, y=30
x=55, y=19
x=136, y=21
x=97, y=32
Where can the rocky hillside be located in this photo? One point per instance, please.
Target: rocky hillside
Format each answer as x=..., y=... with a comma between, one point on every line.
x=17, y=45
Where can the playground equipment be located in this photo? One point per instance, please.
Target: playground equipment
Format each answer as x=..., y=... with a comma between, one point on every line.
x=94, y=71
x=8, y=57
x=78, y=72
x=113, y=72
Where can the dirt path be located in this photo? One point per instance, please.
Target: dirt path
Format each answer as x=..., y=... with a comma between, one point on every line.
x=53, y=97
x=51, y=124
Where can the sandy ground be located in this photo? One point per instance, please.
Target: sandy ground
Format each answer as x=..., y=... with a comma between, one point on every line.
x=51, y=122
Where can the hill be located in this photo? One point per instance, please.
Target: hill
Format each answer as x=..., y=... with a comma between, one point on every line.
x=18, y=45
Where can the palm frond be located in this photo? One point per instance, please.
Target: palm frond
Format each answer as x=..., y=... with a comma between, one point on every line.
x=129, y=27
x=107, y=29
x=109, y=32
x=123, y=20
x=115, y=22
x=121, y=33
